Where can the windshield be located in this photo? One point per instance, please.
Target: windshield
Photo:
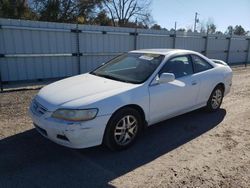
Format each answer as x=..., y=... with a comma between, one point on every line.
x=130, y=67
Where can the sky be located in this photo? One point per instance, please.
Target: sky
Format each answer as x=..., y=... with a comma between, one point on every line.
x=222, y=12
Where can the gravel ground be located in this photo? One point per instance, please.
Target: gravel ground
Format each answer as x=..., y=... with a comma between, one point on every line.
x=197, y=149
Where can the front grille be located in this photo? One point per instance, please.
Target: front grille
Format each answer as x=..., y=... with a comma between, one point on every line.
x=38, y=108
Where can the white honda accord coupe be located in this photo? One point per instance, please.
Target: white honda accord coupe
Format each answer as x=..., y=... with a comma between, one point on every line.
x=112, y=104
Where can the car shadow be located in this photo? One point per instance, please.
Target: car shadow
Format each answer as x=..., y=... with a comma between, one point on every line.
x=29, y=160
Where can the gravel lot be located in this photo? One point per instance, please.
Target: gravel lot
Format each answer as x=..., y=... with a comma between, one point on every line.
x=197, y=149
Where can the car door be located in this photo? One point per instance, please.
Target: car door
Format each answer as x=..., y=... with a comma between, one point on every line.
x=204, y=72
x=167, y=99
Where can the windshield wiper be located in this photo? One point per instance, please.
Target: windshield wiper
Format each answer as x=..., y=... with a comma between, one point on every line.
x=112, y=77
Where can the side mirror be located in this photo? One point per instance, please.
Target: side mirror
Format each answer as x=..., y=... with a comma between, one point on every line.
x=166, y=77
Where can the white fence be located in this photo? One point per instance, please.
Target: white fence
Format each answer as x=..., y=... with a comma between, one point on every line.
x=39, y=50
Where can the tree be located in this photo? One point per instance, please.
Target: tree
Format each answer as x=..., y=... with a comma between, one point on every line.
x=207, y=26
x=66, y=10
x=103, y=19
x=89, y=9
x=181, y=29
x=17, y=9
x=51, y=11
x=202, y=26
x=229, y=30
x=239, y=30
x=123, y=11
x=156, y=27
x=210, y=26
x=219, y=33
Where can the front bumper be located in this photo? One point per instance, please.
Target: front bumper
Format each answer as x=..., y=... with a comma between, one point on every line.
x=74, y=135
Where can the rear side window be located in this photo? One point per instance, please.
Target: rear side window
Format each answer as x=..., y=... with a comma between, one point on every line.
x=200, y=64
x=180, y=66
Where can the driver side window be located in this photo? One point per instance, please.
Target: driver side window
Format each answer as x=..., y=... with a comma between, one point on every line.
x=180, y=66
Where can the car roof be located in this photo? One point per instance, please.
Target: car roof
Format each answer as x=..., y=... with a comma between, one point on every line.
x=166, y=52
x=162, y=51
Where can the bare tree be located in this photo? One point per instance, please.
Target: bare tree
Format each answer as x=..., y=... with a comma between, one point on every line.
x=123, y=11
x=202, y=26
x=211, y=27
x=207, y=26
x=65, y=10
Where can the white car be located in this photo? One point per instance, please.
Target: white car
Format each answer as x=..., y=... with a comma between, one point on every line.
x=113, y=103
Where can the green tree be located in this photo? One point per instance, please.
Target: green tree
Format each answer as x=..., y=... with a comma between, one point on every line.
x=71, y=11
x=236, y=30
x=51, y=11
x=219, y=33
x=229, y=30
x=156, y=27
x=239, y=30
x=16, y=9
x=181, y=29
x=103, y=19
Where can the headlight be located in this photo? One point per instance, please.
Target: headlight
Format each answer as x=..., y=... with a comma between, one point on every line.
x=75, y=115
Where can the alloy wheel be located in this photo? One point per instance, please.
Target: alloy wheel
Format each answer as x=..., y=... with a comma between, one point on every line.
x=125, y=130
x=216, y=99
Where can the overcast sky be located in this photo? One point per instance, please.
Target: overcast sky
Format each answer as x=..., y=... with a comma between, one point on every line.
x=222, y=12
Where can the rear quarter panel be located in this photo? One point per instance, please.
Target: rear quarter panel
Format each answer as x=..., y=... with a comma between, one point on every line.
x=210, y=78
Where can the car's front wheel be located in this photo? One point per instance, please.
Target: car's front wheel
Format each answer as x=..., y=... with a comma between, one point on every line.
x=123, y=129
x=215, y=99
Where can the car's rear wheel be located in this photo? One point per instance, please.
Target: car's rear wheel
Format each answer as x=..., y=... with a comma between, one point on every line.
x=215, y=99
x=123, y=129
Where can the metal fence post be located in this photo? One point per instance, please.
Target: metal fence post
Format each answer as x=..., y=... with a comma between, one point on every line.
x=77, y=54
x=228, y=48
x=135, y=38
x=174, y=39
x=248, y=51
x=206, y=44
x=78, y=48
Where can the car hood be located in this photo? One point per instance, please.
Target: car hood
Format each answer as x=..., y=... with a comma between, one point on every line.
x=78, y=87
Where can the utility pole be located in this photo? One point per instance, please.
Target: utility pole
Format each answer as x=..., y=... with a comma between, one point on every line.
x=196, y=20
x=175, y=26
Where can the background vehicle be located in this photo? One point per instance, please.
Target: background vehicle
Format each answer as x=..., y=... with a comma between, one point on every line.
x=113, y=103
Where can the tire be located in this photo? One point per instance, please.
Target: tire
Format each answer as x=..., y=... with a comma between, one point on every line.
x=215, y=99
x=123, y=129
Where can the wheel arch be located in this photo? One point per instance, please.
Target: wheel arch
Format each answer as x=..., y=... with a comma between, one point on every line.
x=222, y=85
x=134, y=106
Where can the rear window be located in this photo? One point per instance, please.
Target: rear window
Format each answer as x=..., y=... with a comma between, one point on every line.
x=200, y=64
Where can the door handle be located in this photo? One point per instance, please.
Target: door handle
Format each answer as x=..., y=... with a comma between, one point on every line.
x=194, y=83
